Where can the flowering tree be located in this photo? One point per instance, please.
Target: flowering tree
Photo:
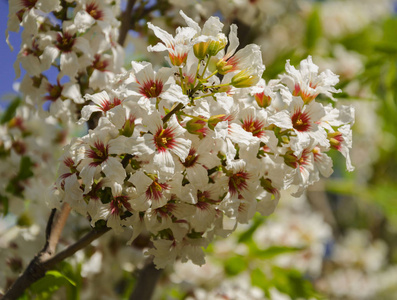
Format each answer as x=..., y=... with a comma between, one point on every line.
x=174, y=156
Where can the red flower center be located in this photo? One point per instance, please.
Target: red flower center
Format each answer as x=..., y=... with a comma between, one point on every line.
x=29, y=3
x=254, y=126
x=117, y=204
x=94, y=11
x=151, y=88
x=238, y=182
x=304, y=159
x=99, y=64
x=107, y=104
x=164, y=139
x=54, y=91
x=301, y=121
x=98, y=153
x=156, y=189
x=65, y=42
x=266, y=183
x=191, y=158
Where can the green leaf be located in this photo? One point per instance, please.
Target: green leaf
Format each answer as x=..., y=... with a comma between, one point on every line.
x=389, y=31
x=361, y=41
x=50, y=283
x=385, y=196
x=10, y=112
x=259, y=279
x=313, y=29
x=74, y=273
x=4, y=201
x=235, y=265
x=25, y=170
x=247, y=235
x=275, y=251
x=292, y=283
x=386, y=47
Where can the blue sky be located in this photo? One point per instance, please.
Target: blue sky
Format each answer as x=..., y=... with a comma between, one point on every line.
x=7, y=58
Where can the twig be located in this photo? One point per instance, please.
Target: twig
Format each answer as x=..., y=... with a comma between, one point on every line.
x=174, y=110
x=41, y=264
x=146, y=283
x=72, y=249
x=126, y=21
x=35, y=271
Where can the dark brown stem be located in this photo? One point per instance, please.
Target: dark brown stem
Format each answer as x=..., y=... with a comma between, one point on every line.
x=35, y=270
x=41, y=264
x=174, y=110
x=126, y=21
x=146, y=283
x=72, y=249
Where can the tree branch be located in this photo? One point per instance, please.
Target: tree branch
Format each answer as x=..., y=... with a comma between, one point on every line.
x=126, y=21
x=39, y=266
x=35, y=271
x=146, y=283
x=45, y=259
x=174, y=110
x=72, y=249
x=54, y=234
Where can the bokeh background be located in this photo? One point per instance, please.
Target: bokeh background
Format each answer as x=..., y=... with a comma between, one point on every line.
x=339, y=241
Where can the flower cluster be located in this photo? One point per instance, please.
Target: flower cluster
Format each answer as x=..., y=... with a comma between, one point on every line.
x=77, y=39
x=189, y=151
x=29, y=146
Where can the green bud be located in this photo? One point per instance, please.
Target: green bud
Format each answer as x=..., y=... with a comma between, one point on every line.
x=244, y=79
x=201, y=50
x=213, y=120
x=290, y=159
x=216, y=46
x=223, y=67
x=197, y=126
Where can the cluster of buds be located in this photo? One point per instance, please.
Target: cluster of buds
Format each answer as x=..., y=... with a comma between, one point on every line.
x=186, y=155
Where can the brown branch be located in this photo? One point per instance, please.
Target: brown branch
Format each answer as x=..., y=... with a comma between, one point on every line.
x=146, y=283
x=54, y=234
x=45, y=261
x=126, y=21
x=72, y=249
x=174, y=110
x=35, y=271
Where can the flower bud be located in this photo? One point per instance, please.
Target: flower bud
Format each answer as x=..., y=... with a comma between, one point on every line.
x=197, y=126
x=201, y=49
x=290, y=159
x=244, y=79
x=213, y=120
x=262, y=99
x=178, y=60
x=216, y=46
x=128, y=127
x=223, y=67
x=335, y=139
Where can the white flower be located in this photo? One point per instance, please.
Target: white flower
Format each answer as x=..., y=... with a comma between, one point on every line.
x=103, y=102
x=307, y=83
x=177, y=47
x=155, y=86
x=95, y=154
x=166, y=140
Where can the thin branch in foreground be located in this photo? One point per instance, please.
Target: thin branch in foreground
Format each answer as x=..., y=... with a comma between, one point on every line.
x=45, y=260
x=35, y=271
x=72, y=249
